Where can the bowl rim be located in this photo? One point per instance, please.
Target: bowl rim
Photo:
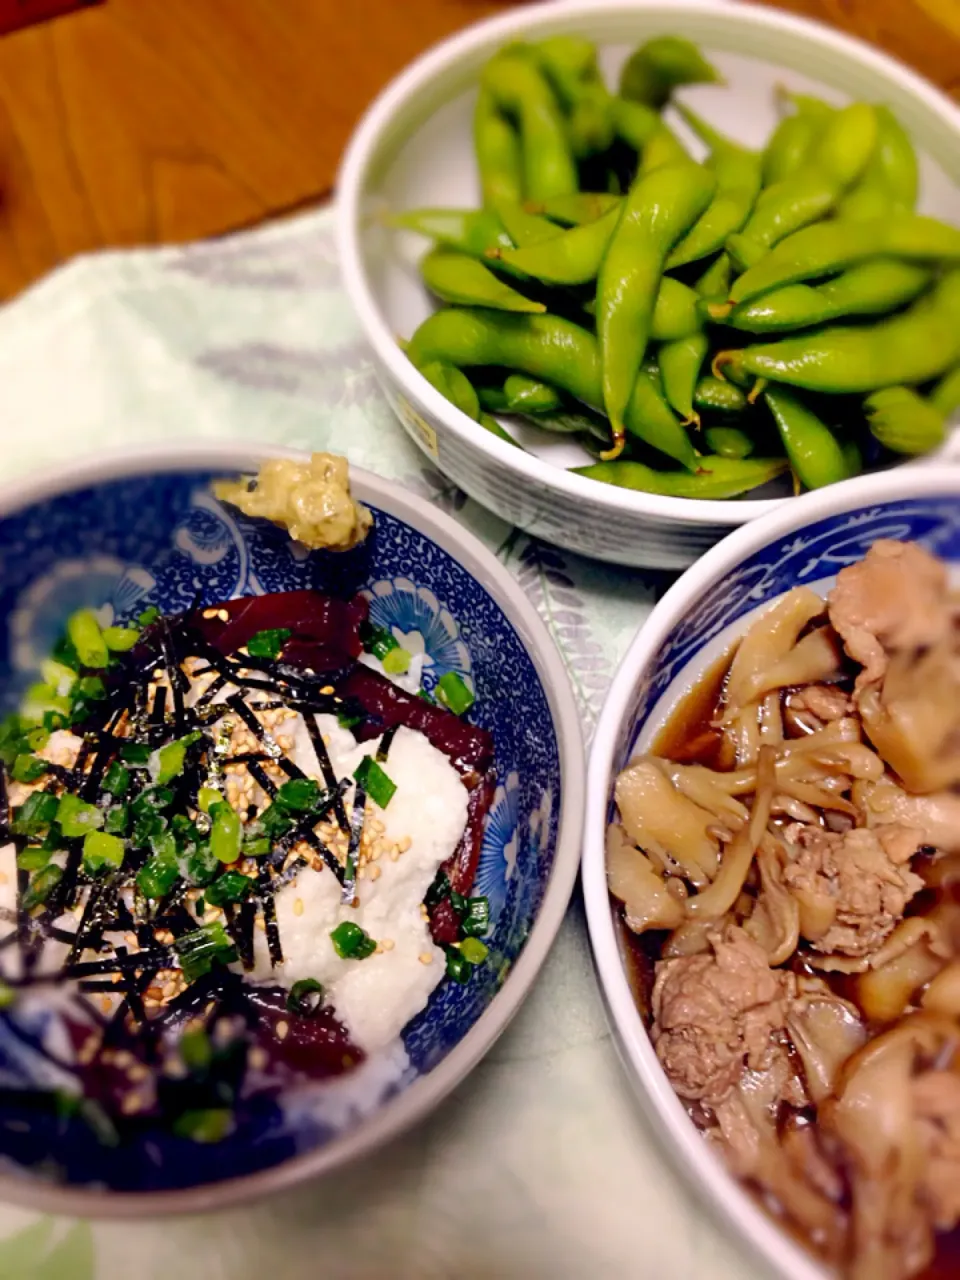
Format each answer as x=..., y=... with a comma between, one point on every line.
x=405, y=1109
x=733, y=1206
x=378, y=117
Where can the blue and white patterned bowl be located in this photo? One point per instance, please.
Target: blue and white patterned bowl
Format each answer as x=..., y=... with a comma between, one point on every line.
x=141, y=527
x=805, y=543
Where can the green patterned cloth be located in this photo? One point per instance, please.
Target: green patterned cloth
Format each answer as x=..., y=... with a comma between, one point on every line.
x=541, y=1164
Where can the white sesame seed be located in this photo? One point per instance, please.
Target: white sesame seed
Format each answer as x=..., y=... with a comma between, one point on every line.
x=258, y=1058
x=387, y=943
x=209, y=613
x=404, y=844
x=138, y=1072
x=298, y=907
x=373, y=873
x=426, y=957
x=223, y=615
x=3, y=877
x=282, y=1029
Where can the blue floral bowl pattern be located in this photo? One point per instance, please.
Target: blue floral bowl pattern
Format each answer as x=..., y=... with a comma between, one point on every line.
x=812, y=555
x=122, y=544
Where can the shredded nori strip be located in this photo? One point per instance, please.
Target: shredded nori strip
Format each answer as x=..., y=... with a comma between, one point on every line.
x=4, y=804
x=386, y=742
x=159, y=709
x=326, y=767
x=356, y=831
x=269, y=908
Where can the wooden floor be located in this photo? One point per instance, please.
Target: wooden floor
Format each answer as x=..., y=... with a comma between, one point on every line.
x=155, y=120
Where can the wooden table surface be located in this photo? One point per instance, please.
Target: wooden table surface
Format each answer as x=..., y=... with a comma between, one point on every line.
x=142, y=121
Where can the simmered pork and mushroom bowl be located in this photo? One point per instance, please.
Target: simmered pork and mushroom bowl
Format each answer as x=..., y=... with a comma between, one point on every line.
x=289, y=812
x=772, y=874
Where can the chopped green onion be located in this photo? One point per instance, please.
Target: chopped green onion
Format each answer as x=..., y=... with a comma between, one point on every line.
x=257, y=847
x=54, y=720
x=28, y=768
x=211, y=1125
x=439, y=890
x=157, y=876
x=427, y=697
x=150, y=614
x=117, y=820
x=196, y=1049
x=199, y=908
x=458, y=966
x=76, y=817
x=65, y=653
x=58, y=676
x=41, y=700
x=151, y=801
x=120, y=639
x=7, y=996
x=299, y=794
x=473, y=951
x=83, y=631
x=396, y=662
x=167, y=763
x=36, y=813
x=453, y=693
x=226, y=833
x=306, y=996
x=201, y=948
x=206, y=797
x=53, y=840
x=41, y=885
x=346, y=720
x=351, y=942
x=268, y=644
x=135, y=753
x=232, y=886
x=476, y=922
x=201, y=865
x=100, y=851
x=275, y=821
x=377, y=783
x=34, y=858
x=377, y=640
x=116, y=780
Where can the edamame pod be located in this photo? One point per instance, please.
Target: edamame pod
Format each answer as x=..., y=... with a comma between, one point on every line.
x=716, y=477
x=912, y=347
x=522, y=227
x=453, y=385
x=570, y=257
x=578, y=207
x=519, y=90
x=659, y=208
x=718, y=396
x=680, y=364
x=520, y=394
x=728, y=442
x=570, y=64
x=715, y=281
x=871, y=288
x=903, y=421
x=836, y=161
x=823, y=250
x=497, y=148
x=473, y=231
x=550, y=349
x=663, y=64
x=890, y=180
x=788, y=148
x=737, y=172
x=815, y=455
x=456, y=277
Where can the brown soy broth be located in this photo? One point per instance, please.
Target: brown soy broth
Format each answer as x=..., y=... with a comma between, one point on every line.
x=690, y=736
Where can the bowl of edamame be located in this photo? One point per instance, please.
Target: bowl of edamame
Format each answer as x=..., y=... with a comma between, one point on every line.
x=634, y=273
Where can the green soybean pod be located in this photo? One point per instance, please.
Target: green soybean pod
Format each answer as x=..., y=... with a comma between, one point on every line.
x=903, y=421
x=815, y=455
x=577, y=207
x=680, y=364
x=521, y=91
x=716, y=477
x=728, y=442
x=788, y=148
x=715, y=395
x=663, y=64
x=497, y=147
x=454, y=385
x=456, y=277
x=473, y=231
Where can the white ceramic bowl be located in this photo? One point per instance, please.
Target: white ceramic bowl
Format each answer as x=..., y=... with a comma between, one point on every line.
x=414, y=148
x=805, y=542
